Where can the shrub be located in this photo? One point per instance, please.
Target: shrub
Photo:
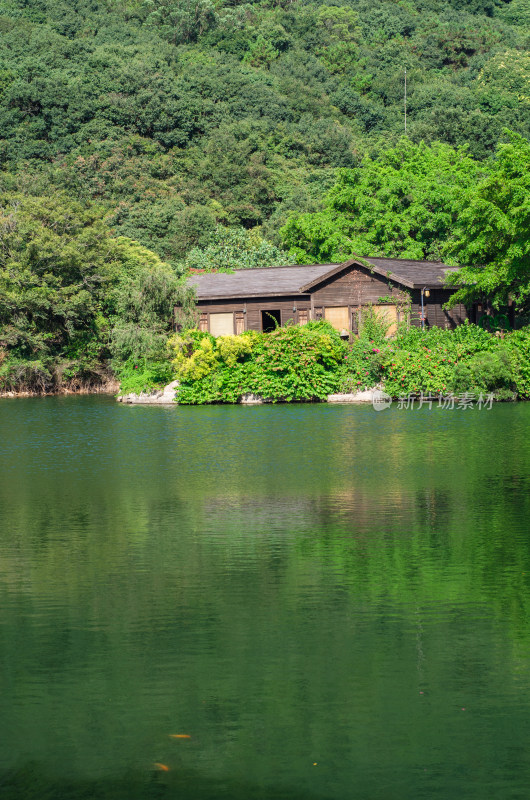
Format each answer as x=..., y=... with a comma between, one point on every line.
x=489, y=371
x=144, y=377
x=194, y=354
x=290, y=363
x=362, y=367
x=424, y=369
x=372, y=326
x=297, y=363
x=24, y=375
x=518, y=344
x=437, y=361
x=233, y=348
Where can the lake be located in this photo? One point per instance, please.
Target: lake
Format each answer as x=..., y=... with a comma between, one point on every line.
x=329, y=602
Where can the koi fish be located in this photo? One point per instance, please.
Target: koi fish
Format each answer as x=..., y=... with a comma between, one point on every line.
x=179, y=736
x=161, y=767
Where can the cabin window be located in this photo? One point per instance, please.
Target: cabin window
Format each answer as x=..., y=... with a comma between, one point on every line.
x=389, y=315
x=270, y=319
x=240, y=322
x=203, y=322
x=318, y=313
x=339, y=317
x=222, y=324
x=303, y=317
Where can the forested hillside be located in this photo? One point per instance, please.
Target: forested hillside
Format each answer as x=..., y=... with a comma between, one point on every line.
x=180, y=114
x=227, y=133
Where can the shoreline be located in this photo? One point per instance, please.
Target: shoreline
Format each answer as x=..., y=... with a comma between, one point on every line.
x=110, y=387
x=167, y=397
x=373, y=396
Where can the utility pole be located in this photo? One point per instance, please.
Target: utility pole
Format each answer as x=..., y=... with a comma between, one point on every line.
x=405, y=101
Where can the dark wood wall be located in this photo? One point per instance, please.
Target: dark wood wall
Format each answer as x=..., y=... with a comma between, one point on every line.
x=353, y=287
x=436, y=316
x=358, y=287
x=253, y=307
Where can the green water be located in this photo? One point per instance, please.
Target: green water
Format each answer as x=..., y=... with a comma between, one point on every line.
x=331, y=602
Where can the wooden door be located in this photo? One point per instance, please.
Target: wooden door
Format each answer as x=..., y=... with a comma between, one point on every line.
x=240, y=322
x=303, y=317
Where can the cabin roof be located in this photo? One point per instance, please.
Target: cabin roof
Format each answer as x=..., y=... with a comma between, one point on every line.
x=264, y=282
x=414, y=274
x=300, y=279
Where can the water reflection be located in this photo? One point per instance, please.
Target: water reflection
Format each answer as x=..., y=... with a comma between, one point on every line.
x=33, y=780
x=332, y=602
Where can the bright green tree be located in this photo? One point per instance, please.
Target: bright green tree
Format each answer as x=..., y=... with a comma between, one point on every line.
x=492, y=232
x=340, y=32
x=400, y=204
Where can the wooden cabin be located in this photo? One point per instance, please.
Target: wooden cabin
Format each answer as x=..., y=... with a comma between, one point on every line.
x=259, y=299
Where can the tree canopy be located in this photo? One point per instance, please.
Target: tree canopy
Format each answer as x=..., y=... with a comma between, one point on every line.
x=400, y=204
x=228, y=249
x=72, y=295
x=491, y=237
x=178, y=115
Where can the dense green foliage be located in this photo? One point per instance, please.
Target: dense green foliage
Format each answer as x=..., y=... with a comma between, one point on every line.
x=440, y=362
x=403, y=202
x=178, y=115
x=198, y=130
x=492, y=232
x=227, y=249
x=310, y=362
x=72, y=296
x=435, y=203
x=291, y=363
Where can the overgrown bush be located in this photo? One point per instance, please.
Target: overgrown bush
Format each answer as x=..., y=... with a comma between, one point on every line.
x=518, y=344
x=422, y=369
x=301, y=363
x=438, y=361
x=194, y=356
x=362, y=367
x=25, y=375
x=373, y=327
x=290, y=363
x=298, y=363
x=363, y=364
x=485, y=372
